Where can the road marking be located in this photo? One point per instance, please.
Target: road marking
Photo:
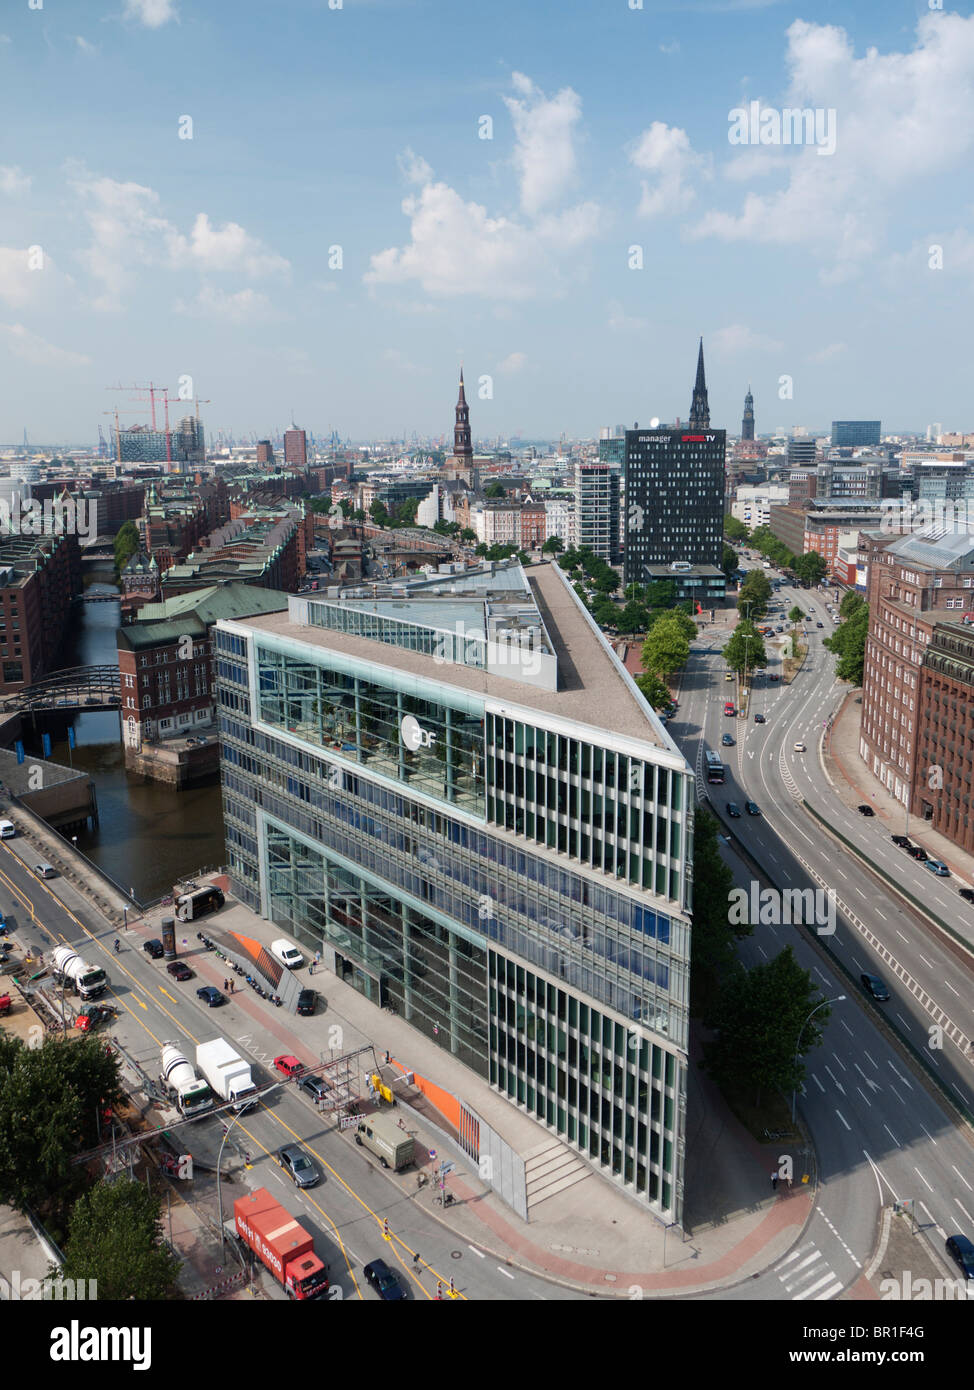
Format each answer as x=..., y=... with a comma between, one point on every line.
x=881, y=914
x=932, y=1139
x=863, y=1094
x=963, y=1179
x=818, y=1083
x=866, y=1054
x=835, y=1079
x=951, y=988
x=844, y=1120
x=901, y=936
x=898, y=1075
x=477, y=1252
x=923, y=1179
x=967, y=1214
x=840, y=1061
x=927, y=963
x=892, y=1136
x=505, y=1272
x=936, y=1224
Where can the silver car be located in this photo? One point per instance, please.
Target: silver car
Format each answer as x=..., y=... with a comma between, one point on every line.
x=303, y=1170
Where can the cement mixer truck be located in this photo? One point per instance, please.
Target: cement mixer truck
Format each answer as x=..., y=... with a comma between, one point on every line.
x=191, y=1095
x=69, y=970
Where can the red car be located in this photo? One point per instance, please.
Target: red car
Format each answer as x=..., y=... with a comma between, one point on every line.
x=288, y=1066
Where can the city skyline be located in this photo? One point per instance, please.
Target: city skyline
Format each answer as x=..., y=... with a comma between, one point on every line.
x=288, y=245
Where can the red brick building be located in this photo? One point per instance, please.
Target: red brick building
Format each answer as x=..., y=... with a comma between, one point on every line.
x=39, y=577
x=943, y=775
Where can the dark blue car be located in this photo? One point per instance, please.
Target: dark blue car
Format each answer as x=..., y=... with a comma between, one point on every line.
x=210, y=995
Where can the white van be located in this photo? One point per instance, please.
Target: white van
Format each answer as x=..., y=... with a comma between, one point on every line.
x=287, y=954
x=7, y=830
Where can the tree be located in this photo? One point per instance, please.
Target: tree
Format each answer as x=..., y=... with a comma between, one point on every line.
x=481, y=550
x=661, y=593
x=569, y=560
x=115, y=1237
x=633, y=618
x=714, y=939
x=553, y=545
x=126, y=544
x=754, y=594
x=607, y=581
x=405, y=512
x=795, y=615
x=665, y=649
x=467, y=536
x=582, y=595
x=634, y=591
x=358, y=514
x=745, y=649
x=682, y=618
x=761, y=1018
x=734, y=530
x=810, y=568
x=729, y=562
x=654, y=690
x=848, y=644
x=379, y=514
x=495, y=491
x=851, y=603
x=49, y=1100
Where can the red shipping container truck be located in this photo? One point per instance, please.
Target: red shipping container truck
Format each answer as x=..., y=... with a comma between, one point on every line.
x=281, y=1243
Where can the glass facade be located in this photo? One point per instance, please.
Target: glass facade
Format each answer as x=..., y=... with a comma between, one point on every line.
x=512, y=891
x=445, y=645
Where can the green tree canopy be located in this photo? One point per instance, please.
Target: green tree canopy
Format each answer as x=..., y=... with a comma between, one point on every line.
x=654, y=690
x=734, y=530
x=729, y=561
x=607, y=581
x=851, y=603
x=633, y=618
x=661, y=593
x=379, y=514
x=126, y=543
x=605, y=612
x=714, y=955
x=495, y=491
x=49, y=1099
x=666, y=647
x=810, y=568
x=848, y=644
x=745, y=646
x=755, y=593
x=761, y=1018
x=467, y=536
x=115, y=1236
x=553, y=545
x=795, y=615
x=682, y=618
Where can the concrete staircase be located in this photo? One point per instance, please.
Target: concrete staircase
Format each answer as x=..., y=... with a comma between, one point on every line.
x=551, y=1168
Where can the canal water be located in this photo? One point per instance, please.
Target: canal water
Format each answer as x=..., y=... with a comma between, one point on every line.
x=149, y=835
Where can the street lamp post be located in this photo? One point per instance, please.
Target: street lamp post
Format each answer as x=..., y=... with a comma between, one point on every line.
x=839, y=998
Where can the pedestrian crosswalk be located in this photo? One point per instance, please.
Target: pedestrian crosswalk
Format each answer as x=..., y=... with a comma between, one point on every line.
x=805, y=1273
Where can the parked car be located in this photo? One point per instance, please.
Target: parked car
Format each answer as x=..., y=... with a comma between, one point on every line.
x=733, y=810
x=727, y=741
x=902, y=840
x=7, y=830
x=774, y=676
x=865, y=810
x=915, y=852
x=288, y=1065
x=938, y=867
x=967, y=894
x=752, y=808
x=45, y=871
x=385, y=1283
x=307, y=1002
x=760, y=719
x=961, y=1251
x=316, y=1086
x=179, y=971
x=210, y=996
x=874, y=986
x=153, y=948
x=303, y=1171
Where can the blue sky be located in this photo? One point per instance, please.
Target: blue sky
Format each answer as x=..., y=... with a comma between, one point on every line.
x=358, y=128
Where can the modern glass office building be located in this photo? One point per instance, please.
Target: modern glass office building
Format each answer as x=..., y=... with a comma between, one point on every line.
x=455, y=791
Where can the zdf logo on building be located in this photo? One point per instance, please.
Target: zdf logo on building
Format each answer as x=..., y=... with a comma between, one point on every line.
x=414, y=736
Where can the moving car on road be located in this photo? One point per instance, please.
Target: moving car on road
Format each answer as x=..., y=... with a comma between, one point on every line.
x=296, y=1162
x=385, y=1283
x=733, y=810
x=760, y=719
x=874, y=986
x=727, y=741
x=752, y=808
x=799, y=747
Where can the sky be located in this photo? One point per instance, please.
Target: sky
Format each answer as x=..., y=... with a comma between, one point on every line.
x=318, y=209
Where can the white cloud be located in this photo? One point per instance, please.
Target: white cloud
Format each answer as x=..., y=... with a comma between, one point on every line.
x=242, y=307
x=5, y=38
x=414, y=168
x=127, y=233
x=513, y=362
x=827, y=353
x=85, y=47
x=737, y=337
x=666, y=153
x=673, y=47
x=152, y=13
x=456, y=247
x=544, y=151
x=406, y=365
x=20, y=285
x=901, y=118
x=13, y=179
x=22, y=343
x=224, y=248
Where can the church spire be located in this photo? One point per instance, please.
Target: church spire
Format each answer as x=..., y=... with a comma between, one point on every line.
x=462, y=444
x=699, y=409
x=747, y=423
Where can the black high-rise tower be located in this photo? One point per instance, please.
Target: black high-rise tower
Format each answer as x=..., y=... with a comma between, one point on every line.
x=747, y=423
x=462, y=443
x=699, y=408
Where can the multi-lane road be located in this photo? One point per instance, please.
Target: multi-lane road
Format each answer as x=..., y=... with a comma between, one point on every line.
x=347, y=1211
x=880, y=1130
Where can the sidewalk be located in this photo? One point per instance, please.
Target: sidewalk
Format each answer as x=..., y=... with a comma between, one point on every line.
x=854, y=784
x=589, y=1234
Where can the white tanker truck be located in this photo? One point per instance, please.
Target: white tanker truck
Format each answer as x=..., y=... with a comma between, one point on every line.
x=70, y=970
x=190, y=1094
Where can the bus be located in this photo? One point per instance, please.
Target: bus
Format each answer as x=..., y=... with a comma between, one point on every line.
x=715, y=767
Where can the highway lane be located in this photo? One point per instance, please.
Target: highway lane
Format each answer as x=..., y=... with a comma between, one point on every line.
x=865, y=1107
